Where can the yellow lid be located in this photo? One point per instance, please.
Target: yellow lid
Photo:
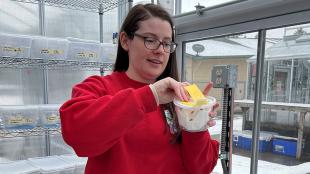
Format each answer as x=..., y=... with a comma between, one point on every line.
x=194, y=92
x=197, y=97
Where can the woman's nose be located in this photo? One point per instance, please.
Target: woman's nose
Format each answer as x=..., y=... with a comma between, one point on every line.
x=161, y=48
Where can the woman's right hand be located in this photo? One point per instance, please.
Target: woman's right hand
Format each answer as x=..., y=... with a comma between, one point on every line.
x=167, y=89
x=215, y=106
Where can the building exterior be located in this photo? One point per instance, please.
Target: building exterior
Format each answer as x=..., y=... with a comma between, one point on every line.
x=286, y=75
x=287, y=70
x=231, y=50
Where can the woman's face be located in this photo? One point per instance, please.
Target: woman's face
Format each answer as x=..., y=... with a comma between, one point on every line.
x=146, y=65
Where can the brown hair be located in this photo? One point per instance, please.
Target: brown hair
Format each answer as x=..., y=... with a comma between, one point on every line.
x=130, y=25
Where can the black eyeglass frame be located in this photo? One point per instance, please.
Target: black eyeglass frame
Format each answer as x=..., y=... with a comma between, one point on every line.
x=172, y=45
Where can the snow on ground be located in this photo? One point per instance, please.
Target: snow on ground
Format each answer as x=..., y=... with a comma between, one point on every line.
x=241, y=164
x=215, y=130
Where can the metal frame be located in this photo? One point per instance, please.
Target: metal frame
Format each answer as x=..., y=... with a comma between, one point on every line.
x=8, y=62
x=39, y=131
x=238, y=13
x=243, y=17
x=258, y=98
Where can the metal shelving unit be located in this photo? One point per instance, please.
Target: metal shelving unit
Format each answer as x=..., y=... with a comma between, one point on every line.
x=18, y=63
x=83, y=5
x=95, y=6
x=8, y=62
x=44, y=64
x=39, y=131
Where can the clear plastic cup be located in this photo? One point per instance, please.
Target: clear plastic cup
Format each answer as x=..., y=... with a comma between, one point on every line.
x=194, y=118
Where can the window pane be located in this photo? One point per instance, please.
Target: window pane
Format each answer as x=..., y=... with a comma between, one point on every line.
x=200, y=57
x=288, y=66
x=285, y=88
x=287, y=84
x=285, y=80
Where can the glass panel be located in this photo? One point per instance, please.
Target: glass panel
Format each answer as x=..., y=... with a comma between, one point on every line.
x=285, y=80
x=286, y=77
x=200, y=57
x=19, y=18
x=80, y=24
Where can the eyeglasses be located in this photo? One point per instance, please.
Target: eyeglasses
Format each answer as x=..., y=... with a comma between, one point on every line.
x=153, y=44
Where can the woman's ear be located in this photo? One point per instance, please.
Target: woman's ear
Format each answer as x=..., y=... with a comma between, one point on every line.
x=124, y=40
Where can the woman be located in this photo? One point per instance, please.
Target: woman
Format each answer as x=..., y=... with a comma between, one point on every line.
x=119, y=121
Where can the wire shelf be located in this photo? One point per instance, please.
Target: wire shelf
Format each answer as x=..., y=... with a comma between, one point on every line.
x=83, y=5
x=8, y=62
x=38, y=131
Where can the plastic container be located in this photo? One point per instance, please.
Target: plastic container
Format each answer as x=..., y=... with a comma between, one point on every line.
x=52, y=165
x=194, y=119
x=49, y=48
x=83, y=51
x=49, y=115
x=12, y=148
x=34, y=146
x=1, y=122
x=18, y=167
x=4, y=160
x=58, y=145
x=19, y=116
x=243, y=140
x=15, y=46
x=21, y=148
x=108, y=52
x=284, y=146
x=78, y=162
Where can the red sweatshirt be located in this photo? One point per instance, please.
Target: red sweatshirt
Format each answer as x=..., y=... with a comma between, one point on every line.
x=116, y=123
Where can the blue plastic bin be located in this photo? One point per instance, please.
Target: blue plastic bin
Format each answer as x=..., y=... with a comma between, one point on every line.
x=285, y=146
x=243, y=140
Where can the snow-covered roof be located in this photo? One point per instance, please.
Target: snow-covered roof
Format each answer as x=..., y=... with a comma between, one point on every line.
x=294, y=48
x=297, y=47
x=219, y=48
x=252, y=42
x=226, y=47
